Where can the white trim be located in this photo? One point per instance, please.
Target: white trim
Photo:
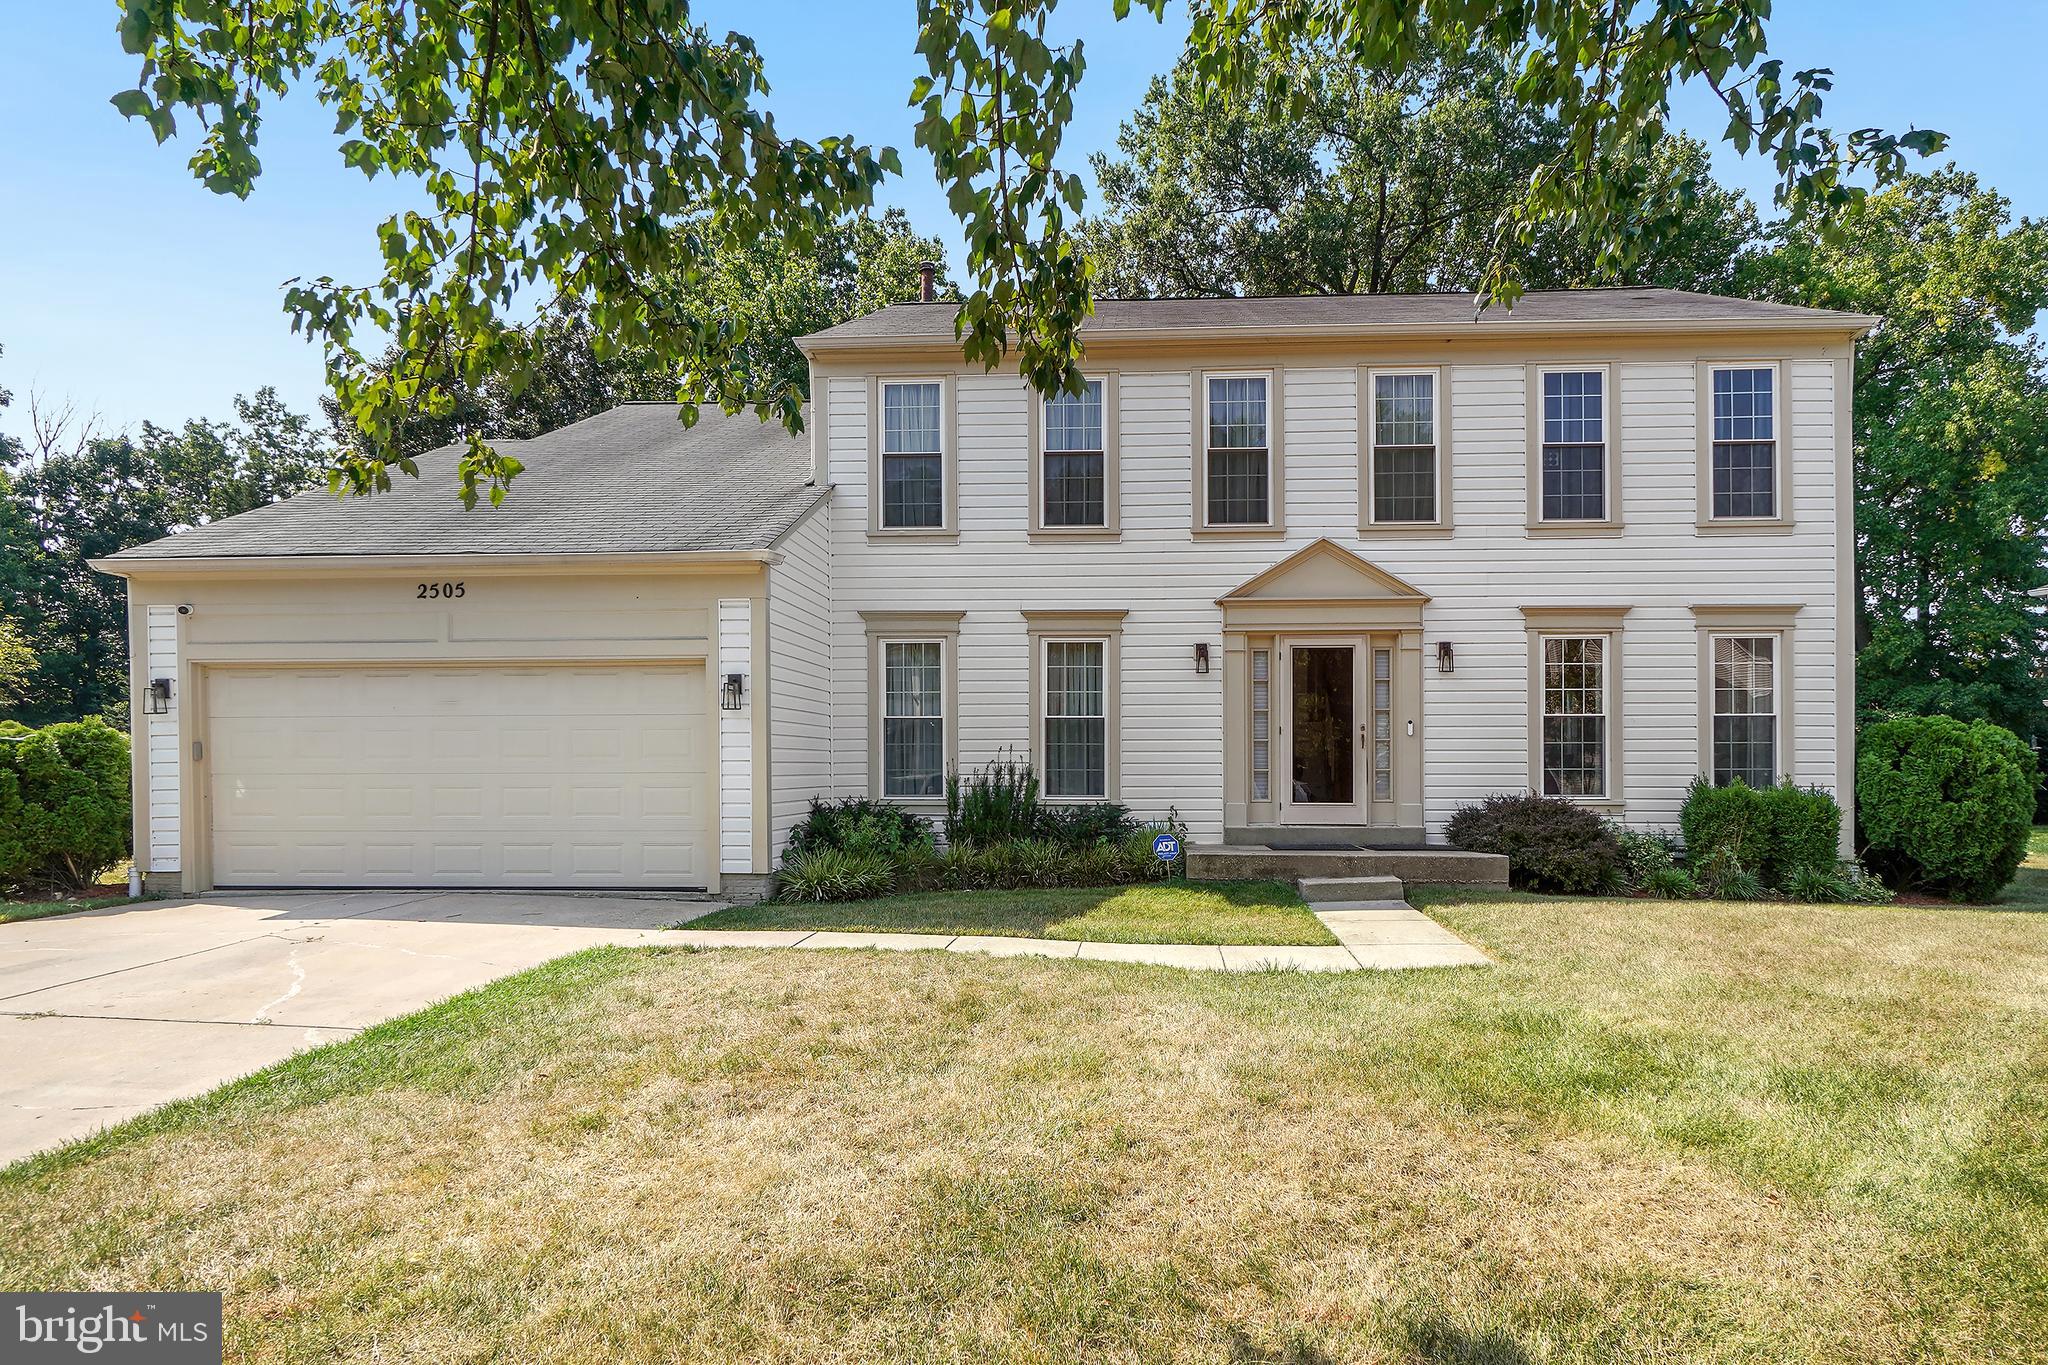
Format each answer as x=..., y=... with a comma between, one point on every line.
x=1369, y=403
x=1044, y=673
x=1609, y=480
x=1209, y=523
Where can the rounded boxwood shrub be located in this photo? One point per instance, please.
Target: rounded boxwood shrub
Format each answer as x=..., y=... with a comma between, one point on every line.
x=65, y=804
x=1551, y=844
x=1944, y=807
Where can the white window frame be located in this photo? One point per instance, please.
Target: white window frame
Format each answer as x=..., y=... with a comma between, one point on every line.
x=1110, y=524
x=1204, y=450
x=878, y=523
x=882, y=716
x=1045, y=717
x=1610, y=483
x=1781, y=408
x=1370, y=430
x=1778, y=639
x=1606, y=712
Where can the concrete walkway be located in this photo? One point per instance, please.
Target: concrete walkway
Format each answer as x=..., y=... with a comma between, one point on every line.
x=1372, y=935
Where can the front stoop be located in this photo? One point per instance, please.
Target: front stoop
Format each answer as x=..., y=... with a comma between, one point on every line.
x=1410, y=866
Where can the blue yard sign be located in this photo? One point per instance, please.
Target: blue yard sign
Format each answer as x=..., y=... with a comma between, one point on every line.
x=1166, y=848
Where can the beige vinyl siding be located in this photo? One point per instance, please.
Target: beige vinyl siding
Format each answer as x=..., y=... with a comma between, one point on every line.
x=165, y=827
x=800, y=674
x=735, y=737
x=1478, y=577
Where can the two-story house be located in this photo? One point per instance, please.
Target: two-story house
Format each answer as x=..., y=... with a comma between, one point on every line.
x=1317, y=569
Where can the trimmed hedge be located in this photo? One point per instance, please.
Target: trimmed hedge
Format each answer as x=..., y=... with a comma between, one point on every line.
x=828, y=874
x=1944, y=807
x=1773, y=833
x=1551, y=844
x=65, y=805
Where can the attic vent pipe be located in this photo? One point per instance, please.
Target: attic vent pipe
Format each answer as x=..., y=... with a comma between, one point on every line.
x=927, y=275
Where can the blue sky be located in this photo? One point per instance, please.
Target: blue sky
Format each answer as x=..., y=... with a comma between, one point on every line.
x=128, y=289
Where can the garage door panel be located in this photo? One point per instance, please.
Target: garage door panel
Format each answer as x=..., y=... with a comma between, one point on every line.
x=592, y=776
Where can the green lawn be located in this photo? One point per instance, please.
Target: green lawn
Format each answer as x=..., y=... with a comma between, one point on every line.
x=1662, y=1132
x=1160, y=912
x=12, y=911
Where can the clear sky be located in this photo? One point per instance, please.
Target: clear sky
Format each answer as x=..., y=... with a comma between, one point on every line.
x=130, y=290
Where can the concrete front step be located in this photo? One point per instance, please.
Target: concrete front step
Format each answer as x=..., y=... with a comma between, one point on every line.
x=1412, y=866
x=1320, y=890
x=1299, y=836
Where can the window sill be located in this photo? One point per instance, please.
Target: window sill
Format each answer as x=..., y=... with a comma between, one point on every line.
x=1574, y=528
x=1053, y=534
x=912, y=537
x=1424, y=529
x=1736, y=526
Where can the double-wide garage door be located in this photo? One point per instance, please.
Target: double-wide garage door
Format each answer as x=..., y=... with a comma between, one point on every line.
x=573, y=775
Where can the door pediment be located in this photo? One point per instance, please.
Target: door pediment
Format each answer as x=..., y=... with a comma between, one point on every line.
x=1322, y=586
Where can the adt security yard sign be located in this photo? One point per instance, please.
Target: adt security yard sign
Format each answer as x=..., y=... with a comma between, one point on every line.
x=1166, y=848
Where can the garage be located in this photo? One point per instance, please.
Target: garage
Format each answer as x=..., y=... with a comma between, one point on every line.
x=546, y=776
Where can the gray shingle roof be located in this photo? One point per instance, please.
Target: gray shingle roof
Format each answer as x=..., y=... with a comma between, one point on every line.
x=631, y=480
x=913, y=322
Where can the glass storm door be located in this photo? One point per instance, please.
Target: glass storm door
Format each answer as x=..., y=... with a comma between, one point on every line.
x=1325, y=728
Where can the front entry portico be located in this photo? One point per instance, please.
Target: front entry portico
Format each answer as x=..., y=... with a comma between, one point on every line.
x=1322, y=683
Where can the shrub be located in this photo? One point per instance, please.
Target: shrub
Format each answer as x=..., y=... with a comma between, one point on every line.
x=1670, y=883
x=1816, y=886
x=1859, y=886
x=1551, y=844
x=1078, y=826
x=834, y=874
x=1773, y=832
x=65, y=804
x=1643, y=854
x=1944, y=807
x=997, y=804
x=1721, y=876
x=859, y=825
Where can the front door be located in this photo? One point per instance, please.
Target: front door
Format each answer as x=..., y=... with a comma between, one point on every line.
x=1325, y=733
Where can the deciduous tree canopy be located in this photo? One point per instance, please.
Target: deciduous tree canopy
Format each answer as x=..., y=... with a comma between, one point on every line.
x=572, y=154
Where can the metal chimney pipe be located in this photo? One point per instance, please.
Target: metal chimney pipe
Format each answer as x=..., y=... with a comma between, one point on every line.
x=928, y=290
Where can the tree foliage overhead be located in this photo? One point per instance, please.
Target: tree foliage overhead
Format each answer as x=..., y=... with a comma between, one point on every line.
x=573, y=151
x=1951, y=431
x=1366, y=182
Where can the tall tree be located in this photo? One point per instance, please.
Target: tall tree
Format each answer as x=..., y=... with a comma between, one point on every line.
x=1951, y=433
x=1345, y=181
x=74, y=496
x=571, y=152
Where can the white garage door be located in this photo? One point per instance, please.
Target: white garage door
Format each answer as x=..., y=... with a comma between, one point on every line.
x=590, y=776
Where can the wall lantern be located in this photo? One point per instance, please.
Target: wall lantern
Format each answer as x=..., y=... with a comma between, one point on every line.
x=729, y=694
x=1446, y=662
x=159, y=696
x=1202, y=657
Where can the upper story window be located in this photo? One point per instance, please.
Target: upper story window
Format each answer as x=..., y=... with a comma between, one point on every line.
x=1403, y=462
x=1744, y=434
x=1239, y=465
x=1574, y=455
x=1074, y=469
x=913, y=456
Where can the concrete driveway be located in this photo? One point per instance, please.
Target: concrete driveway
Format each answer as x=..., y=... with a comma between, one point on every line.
x=111, y=1012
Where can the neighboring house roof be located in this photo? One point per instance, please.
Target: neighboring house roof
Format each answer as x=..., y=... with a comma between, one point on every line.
x=1540, y=310
x=629, y=481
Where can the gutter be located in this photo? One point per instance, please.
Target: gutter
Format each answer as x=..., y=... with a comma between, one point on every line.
x=281, y=565
x=1847, y=324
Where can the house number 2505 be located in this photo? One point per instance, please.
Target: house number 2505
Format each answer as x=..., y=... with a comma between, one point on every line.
x=428, y=591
